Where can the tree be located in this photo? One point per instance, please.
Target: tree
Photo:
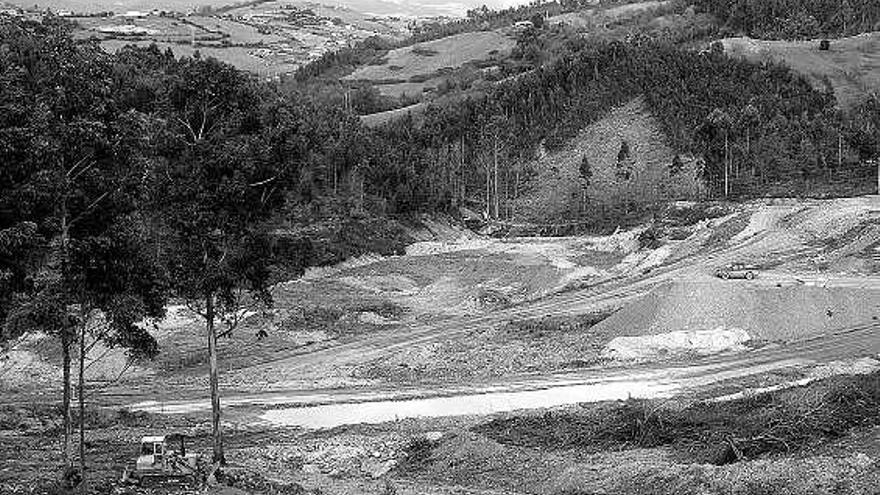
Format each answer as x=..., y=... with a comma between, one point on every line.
x=216, y=179
x=585, y=171
x=720, y=120
x=624, y=169
x=537, y=20
x=495, y=133
x=70, y=184
x=676, y=166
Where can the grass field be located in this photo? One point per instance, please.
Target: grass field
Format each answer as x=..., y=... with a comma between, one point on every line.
x=239, y=33
x=852, y=64
x=242, y=58
x=426, y=59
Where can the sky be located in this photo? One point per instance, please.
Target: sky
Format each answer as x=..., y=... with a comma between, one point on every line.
x=376, y=7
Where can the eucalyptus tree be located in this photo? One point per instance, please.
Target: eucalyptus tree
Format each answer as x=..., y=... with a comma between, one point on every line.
x=69, y=195
x=214, y=183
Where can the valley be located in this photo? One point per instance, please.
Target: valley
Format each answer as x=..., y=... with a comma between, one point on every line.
x=557, y=248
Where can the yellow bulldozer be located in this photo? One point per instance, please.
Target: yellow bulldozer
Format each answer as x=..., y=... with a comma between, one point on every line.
x=163, y=459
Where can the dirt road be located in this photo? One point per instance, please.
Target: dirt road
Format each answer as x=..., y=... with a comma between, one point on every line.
x=330, y=408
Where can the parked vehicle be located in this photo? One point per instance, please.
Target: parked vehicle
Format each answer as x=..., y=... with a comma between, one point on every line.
x=737, y=270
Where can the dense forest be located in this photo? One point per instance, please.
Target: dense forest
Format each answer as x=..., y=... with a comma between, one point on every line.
x=795, y=19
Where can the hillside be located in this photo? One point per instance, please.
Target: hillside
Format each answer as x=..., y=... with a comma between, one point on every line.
x=555, y=190
x=851, y=65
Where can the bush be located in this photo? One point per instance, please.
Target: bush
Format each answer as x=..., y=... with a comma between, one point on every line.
x=650, y=238
x=418, y=454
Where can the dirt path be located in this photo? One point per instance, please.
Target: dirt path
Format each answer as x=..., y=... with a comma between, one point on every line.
x=330, y=408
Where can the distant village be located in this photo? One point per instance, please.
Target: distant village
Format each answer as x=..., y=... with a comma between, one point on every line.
x=270, y=40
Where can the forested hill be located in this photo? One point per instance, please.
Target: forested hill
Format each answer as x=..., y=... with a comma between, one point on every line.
x=761, y=119
x=771, y=130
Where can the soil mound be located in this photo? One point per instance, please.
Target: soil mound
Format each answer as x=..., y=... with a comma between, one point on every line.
x=765, y=313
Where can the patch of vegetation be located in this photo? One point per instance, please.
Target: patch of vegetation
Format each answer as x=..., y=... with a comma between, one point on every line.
x=385, y=309
x=417, y=454
x=548, y=325
x=728, y=230
x=423, y=52
x=685, y=216
x=650, y=238
x=329, y=231
x=780, y=422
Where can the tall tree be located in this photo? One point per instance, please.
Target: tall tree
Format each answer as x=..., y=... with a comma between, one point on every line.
x=70, y=181
x=721, y=120
x=215, y=180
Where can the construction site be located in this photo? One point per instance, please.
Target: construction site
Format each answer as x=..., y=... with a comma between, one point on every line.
x=469, y=360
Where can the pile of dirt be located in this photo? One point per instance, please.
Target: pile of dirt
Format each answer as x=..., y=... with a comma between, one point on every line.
x=765, y=313
x=22, y=368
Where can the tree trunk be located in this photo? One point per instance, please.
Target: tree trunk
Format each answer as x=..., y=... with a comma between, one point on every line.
x=215, y=392
x=515, y=194
x=65, y=397
x=461, y=182
x=66, y=344
x=495, y=189
x=726, y=166
x=488, y=192
x=82, y=399
x=748, y=142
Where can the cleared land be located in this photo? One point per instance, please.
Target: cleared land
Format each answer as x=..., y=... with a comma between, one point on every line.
x=852, y=65
x=468, y=316
x=532, y=303
x=240, y=57
x=555, y=189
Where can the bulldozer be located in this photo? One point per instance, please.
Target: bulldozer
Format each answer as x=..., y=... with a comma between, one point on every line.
x=164, y=459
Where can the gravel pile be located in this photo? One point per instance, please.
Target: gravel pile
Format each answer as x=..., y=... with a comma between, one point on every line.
x=766, y=313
